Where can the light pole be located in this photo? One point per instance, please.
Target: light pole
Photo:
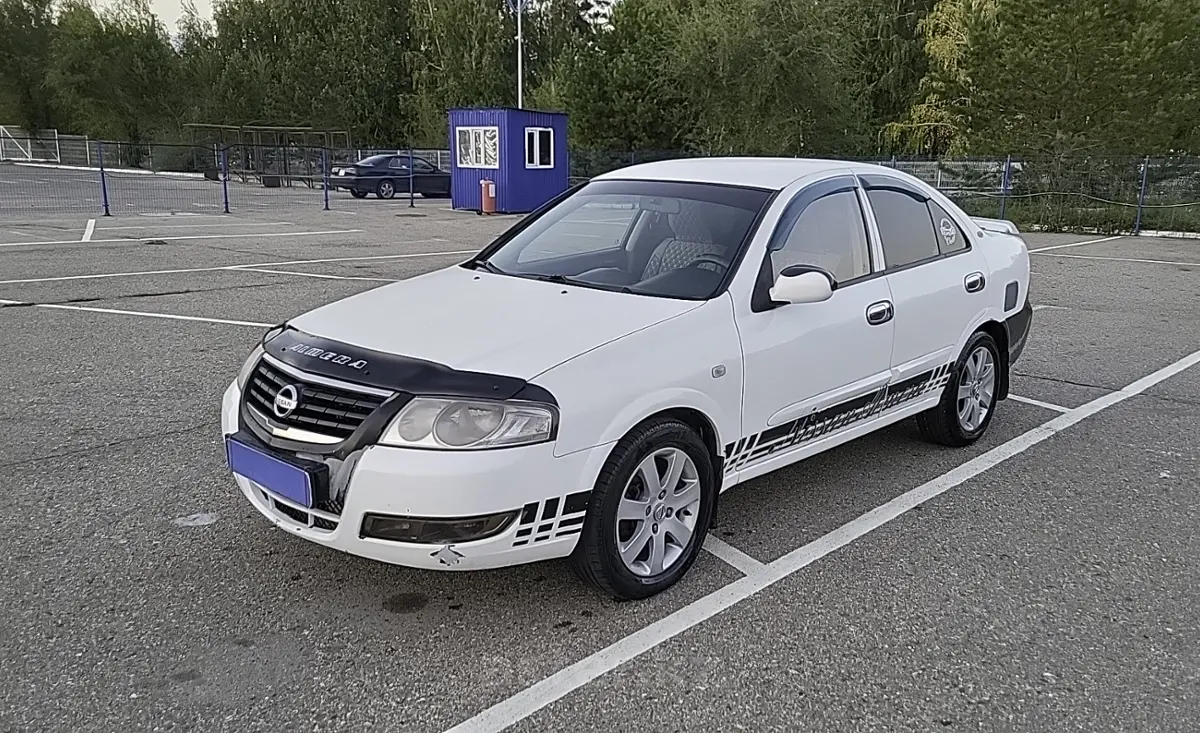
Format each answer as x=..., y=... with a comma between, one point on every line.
x=518, y=7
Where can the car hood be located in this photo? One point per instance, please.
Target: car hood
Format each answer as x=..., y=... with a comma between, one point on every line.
x=479, y=321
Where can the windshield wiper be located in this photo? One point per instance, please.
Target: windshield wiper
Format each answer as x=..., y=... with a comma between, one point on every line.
x=488, y=266
x=564, y=280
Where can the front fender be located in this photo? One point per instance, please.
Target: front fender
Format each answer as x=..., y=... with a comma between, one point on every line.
x=692, y=361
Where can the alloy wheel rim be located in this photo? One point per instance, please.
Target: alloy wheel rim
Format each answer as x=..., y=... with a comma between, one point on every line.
x=976, y=389
x=657, y=514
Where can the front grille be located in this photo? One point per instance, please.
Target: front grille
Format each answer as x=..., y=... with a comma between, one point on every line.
x=322, y=409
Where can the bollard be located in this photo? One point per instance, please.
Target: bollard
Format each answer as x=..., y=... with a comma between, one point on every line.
x=1137, y=224
x=325, y=174
x=225, y=179
x=103, y=177
x=411, y=204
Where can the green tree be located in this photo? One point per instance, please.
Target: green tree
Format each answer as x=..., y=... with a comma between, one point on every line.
x=116, y=71
x=26, y=31
x=1067, y=78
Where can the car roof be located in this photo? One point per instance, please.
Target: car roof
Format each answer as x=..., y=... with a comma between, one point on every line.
x=758, y=172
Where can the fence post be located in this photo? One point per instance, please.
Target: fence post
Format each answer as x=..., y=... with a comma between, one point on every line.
x=1137, y=224
x=225, y=178
x=1004, y=184
x=325, y=175
x=103, y=178
x=410, y=177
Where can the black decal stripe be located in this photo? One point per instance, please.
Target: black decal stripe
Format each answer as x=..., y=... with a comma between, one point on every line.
x=835, y=418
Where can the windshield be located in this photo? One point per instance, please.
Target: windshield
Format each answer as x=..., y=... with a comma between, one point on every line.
x=658, y=238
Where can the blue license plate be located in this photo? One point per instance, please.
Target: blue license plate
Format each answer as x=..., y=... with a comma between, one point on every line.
x=276, y=475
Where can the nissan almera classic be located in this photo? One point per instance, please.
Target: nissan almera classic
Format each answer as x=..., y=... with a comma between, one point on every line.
x=589, y=383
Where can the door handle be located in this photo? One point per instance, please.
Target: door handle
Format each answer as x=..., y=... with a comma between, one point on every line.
x=974, y=282
x=879, y=313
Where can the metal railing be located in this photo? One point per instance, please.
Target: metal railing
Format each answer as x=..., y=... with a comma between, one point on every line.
x=47, y=171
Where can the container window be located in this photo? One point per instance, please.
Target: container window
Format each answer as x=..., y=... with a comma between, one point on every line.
x=477, y=147
x=539, y=147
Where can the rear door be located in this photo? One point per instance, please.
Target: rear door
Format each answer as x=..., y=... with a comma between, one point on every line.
x=938, y=280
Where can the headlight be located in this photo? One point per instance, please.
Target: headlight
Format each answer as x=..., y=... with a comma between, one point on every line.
x=451, y=424
x=248, y=367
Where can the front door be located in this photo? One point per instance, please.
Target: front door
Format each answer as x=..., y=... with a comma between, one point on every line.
x=812, y=369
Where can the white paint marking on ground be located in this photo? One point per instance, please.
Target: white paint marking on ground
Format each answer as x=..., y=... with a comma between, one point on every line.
x=731, y=555
x=230, y=223
x=234, y=268
x=202, y=519
x=1077, y=244
x=558, y=685
x=1038, y=403
x=88, y=230
x=314, y=274
x=1125, y=259
x=144, y=314
x=1054, y=307
x=139, y=240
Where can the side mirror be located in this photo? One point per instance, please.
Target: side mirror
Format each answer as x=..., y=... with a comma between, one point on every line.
x=803, y=284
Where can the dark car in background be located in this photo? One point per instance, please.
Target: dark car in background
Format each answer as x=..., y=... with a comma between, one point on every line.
x=387, y=175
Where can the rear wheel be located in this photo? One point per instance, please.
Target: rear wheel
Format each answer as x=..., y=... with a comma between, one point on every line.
x=385, y=189
x=969, y=400
x=649, y=512
x=358, y=194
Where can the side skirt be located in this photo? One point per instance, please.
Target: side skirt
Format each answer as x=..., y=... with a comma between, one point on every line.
x=796, y=440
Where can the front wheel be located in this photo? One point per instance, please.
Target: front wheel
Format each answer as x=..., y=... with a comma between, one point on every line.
x=649, y=512
x=969, y=400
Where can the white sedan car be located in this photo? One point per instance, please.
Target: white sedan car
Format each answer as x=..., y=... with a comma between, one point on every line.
x=589, y=383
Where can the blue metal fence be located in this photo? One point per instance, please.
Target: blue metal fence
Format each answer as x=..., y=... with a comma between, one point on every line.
x=1081, y=193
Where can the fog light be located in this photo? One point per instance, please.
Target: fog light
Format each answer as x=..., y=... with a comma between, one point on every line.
x=435, y=531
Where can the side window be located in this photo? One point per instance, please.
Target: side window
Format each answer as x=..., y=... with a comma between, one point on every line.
x=950, y=236
x=420, y=165
x=398, y=163
x=905, y=227
x=829, y=233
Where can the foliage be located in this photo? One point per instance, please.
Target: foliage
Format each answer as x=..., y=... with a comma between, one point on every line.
x=774, y=77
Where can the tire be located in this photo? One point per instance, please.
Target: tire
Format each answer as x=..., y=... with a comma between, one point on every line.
x=358, y=194
x=946, y=424
x=385, y=189
x=597, y=558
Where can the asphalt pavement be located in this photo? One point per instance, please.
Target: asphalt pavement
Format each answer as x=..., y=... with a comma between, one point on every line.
x=1051, y=590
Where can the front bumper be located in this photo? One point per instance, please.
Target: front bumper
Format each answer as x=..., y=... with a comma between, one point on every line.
x=549, y=493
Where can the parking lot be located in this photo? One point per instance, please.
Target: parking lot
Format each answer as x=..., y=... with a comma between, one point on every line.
x=1043, y=579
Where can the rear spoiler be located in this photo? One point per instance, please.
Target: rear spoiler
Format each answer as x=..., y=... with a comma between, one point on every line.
x=1000, y=226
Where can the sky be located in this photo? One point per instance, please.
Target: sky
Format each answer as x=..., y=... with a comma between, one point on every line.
x=169, y=11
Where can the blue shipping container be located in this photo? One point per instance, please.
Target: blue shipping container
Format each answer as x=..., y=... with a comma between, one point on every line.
x=524, y=152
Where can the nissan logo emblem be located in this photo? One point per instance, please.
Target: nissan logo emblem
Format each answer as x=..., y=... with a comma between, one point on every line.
x=286, y=400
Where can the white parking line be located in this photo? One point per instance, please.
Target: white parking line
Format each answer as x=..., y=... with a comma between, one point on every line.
x=230, y=223
x=88, y=230
x=1038, y=403
x=131, y=240
x=168, y=316
x=731, y=555
x=1044, y=305
x=525, y=703
x=313, y=274
x=106, y=275
x=1077, y=244
x=1125, y=259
